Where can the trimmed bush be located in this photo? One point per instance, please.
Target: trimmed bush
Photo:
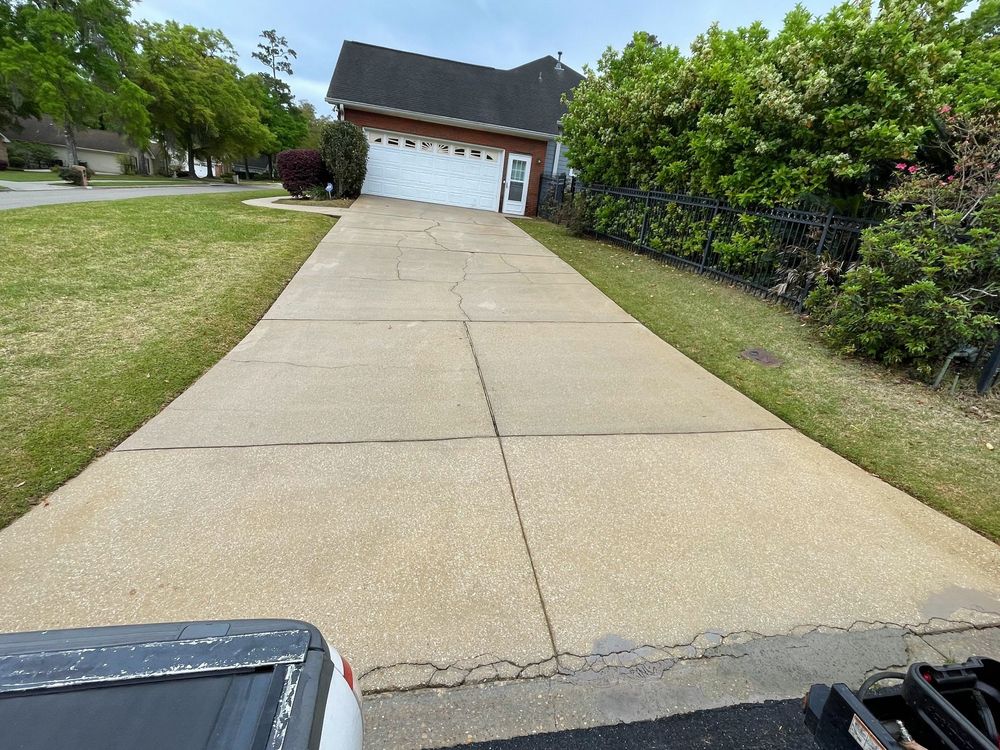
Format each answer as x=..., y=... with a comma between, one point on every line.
x=24, y=155
x=3, y=165
x=75, y=174
x=345, y=153
x=300, y=169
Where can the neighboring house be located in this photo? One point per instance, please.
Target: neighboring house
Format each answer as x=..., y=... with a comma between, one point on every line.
x=100, y=150
x=4, y=140
x=449, y=132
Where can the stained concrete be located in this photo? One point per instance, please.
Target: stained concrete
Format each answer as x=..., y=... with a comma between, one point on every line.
x=561, y=378
x=397, y=552
x=655, y=538
x=309, y=382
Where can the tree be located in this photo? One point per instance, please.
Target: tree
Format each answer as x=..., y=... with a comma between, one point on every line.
x=275, y=53
x=70, y=59
x=314, y=124
x=282, y=117
x=344, y=149
x=198, y=100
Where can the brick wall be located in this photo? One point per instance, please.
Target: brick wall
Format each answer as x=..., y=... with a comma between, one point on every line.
x=509, y=143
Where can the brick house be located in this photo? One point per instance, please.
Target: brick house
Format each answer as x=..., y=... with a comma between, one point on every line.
x=448, y=132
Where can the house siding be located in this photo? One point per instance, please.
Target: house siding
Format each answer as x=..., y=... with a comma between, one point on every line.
x=510, y=144
x=550, y=155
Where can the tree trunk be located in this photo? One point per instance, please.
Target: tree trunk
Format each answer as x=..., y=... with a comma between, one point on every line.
x=191, y=162
x=74, y=157
x=246, y=165
x=270, y=167
x=208, y=165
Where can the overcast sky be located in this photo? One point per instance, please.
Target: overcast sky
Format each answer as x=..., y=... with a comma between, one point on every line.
x=486, y=32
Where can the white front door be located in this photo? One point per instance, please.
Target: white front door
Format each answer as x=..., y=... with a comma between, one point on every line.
x=515, y=194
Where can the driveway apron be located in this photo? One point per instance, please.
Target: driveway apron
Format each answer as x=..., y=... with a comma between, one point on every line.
x=454, y=455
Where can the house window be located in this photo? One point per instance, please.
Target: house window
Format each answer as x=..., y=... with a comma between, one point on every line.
x=475, y=153
x=374, y=137
x=459, y=151
x=392, y=141
x=443, y=148
x=490, y=157
x=426, y=146
x=409, y=144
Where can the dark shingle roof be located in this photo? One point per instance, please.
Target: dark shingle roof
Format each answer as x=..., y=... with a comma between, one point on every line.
x=44, y=130
x=524, y=98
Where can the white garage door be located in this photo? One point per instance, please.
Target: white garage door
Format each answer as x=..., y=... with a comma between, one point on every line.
x=431, y=170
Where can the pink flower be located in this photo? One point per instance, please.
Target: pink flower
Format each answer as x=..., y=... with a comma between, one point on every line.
x=913, y=169
x=901, y=165
x=945, y=109
x=951, y=177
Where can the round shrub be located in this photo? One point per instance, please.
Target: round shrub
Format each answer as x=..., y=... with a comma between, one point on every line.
x=300, y=169
x=345, y=153
x=75, y=174
x=928, y=283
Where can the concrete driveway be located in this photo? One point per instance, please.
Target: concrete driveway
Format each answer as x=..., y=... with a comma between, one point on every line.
x=463, y=462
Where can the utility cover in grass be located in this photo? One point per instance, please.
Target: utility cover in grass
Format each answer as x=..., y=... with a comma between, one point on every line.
x=761, y=357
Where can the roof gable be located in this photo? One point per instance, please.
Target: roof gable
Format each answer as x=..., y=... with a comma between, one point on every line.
x=45, y=130
x=527, y=97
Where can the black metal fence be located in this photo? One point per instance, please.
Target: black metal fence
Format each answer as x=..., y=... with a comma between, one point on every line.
x=775, y=251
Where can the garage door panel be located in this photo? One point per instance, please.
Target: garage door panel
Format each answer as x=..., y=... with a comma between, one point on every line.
x=433, y=170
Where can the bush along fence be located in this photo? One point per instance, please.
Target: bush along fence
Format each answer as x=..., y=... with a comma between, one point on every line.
x=776, y=252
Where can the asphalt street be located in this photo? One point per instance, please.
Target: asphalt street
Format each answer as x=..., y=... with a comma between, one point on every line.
x=774, y=725
x=29, y=198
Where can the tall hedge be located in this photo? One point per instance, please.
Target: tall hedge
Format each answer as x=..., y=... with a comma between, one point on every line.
x=821, y=109
x=345, y=153
x=301, y=169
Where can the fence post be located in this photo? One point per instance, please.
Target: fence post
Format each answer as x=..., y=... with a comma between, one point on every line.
x=644, y=229
x=827, y=220
x=990, y=370
x=710, y=237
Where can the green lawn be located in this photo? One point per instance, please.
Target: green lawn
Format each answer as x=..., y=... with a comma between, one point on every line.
x=116, y=180
x=13, y=175
x=109, y=310
x=931, y=444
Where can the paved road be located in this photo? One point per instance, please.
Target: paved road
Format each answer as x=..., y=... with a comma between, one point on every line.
x=463, y=462
x=28, y=198
x=775, y=725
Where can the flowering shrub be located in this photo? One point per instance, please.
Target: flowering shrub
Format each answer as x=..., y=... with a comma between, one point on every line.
x=300, y=169
x=821, y=108
x=928, y=281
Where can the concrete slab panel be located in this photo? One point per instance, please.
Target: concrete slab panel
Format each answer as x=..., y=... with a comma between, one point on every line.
x=495, y=263
x=350, y=260
x=370, y=204
x=501, y=298
x=397, y=552
x=332, y=298
x=666, y=540
x=304, y=382
x=563, y=379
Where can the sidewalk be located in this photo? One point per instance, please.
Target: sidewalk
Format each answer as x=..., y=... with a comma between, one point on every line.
x=464, y=463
